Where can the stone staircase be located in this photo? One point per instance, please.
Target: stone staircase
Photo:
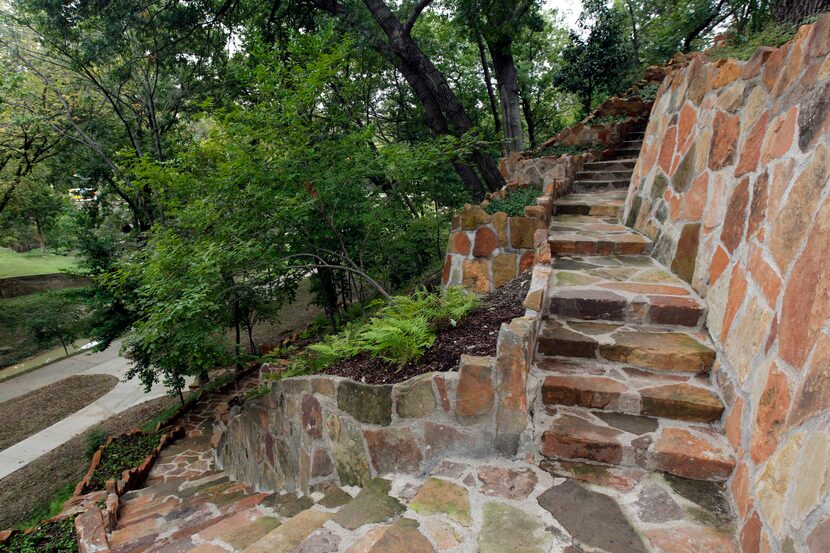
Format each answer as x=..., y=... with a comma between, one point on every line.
x=623, y=359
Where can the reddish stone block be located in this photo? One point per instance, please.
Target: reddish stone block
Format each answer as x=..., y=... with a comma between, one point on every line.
x=443, y=393
x=321, y=464
x=758, y=207
x=772, y=68
x=772, y=411
x=667, y=149
x=674, y=311
x=574, y=438
x=486, y=241
x=312, y=416
x=813, y=396
x=734, y=422
x=726, y=129
x=460, y=243
x=751, y=535
x=820, y=536
x=719, y=262
x=475, y=394
x=764, y=275
x=751, y=150
x=737, y=290
x=806, y=304
x=735, y=218
x=441, y=440
x=740, y=490
x=526, y=261
x=780, y=136
x=682, y=453
x=756, y=63
x=586, y=391
x=393, y=450
x=685, y=127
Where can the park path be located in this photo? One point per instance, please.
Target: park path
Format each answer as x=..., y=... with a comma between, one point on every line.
x=125, y=395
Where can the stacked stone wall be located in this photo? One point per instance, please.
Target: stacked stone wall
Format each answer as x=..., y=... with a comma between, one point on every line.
x=307, y=432
x=732, y=186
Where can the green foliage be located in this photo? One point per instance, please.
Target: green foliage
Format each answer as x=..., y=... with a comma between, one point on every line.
x=649, y=92
x=515, y=202
x=125, y=452
x=596, y=63
x=93, y=440
x=556, y=149
x=399, y=332
x=741, y=47
x=51, y=537
x=608, y=119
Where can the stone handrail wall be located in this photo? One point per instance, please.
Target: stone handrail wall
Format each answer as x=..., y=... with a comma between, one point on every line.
x=309, y=431
x=732, y=186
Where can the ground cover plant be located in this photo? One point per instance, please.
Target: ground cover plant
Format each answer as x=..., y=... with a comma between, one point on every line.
x=34, y=262
x=52, y=537
x=123, y=453
x=515, y=202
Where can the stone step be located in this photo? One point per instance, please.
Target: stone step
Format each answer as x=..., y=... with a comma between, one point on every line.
x=597, y=205
x=632, y=143
x=604, y=175
x=633, y=289
x=617, y=388
x=627, y=152
x=688, y=450
x=589, y=235
x=652, y=348
x=618, y=164
x=602, y=184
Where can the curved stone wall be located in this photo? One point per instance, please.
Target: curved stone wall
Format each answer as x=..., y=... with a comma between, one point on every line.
x=732, y=186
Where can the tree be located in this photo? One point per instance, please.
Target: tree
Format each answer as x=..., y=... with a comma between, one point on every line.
x=592, y=64
x=795, y=11
x=498, y=24
x=58, y=319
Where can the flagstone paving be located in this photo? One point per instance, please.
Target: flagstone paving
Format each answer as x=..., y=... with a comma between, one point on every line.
x=490, y=506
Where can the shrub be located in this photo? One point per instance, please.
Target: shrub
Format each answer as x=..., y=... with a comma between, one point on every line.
x=649, y=91
x=515, y=202
x=741, y=47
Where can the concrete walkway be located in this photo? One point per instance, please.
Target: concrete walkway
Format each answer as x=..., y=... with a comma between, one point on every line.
x=124, y=396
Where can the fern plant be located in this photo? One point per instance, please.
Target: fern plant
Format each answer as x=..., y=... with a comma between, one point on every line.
x=397, y=340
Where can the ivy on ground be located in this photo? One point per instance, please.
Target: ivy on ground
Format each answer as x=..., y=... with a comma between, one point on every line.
x=125, y=452
x=52, y=537
x=515, y=202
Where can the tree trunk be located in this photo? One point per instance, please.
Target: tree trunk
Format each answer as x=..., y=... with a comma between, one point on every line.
x=635, y=42
x=795, y=11
x=508, y=81
x=403, y=45
x=528, y=113
x=494, y=106
x=41, y=241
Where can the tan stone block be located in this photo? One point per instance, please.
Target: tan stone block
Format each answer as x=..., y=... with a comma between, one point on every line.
x=476, y=275
x=748, y=339
x=725, y=71
x=475, y=394
x=773, y=482
x=504, y=269
x=811, y=484
x=500, y=224
x=472, y=216
x=522, y=231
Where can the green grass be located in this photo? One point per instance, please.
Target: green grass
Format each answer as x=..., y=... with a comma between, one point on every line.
x=741, y=47
x=13, y=264
x=48, y=509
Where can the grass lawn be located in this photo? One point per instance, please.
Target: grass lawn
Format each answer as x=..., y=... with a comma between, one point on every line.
x=14, y=264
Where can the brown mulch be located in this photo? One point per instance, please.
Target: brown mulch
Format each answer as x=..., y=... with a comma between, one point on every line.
x=30, y=413
x=477, y=334
x=24, y=492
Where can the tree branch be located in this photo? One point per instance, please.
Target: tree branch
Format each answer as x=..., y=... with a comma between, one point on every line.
x=416, y=12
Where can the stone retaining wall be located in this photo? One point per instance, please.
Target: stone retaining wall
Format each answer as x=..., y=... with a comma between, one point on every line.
x=732, y=186
x=21, y=286
x=313, y=430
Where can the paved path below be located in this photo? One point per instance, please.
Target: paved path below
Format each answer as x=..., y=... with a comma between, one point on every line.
x=124, y=396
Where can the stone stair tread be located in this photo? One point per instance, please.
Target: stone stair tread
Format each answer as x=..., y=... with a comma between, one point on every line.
x=623, y=288
x=601, y=204
x=688, y=450
x=594, y=235
x=664, y=349
x=618, y=388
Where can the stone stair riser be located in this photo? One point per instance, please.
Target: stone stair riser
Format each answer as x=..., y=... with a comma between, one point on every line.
x=598, y=247
x=673, y=311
